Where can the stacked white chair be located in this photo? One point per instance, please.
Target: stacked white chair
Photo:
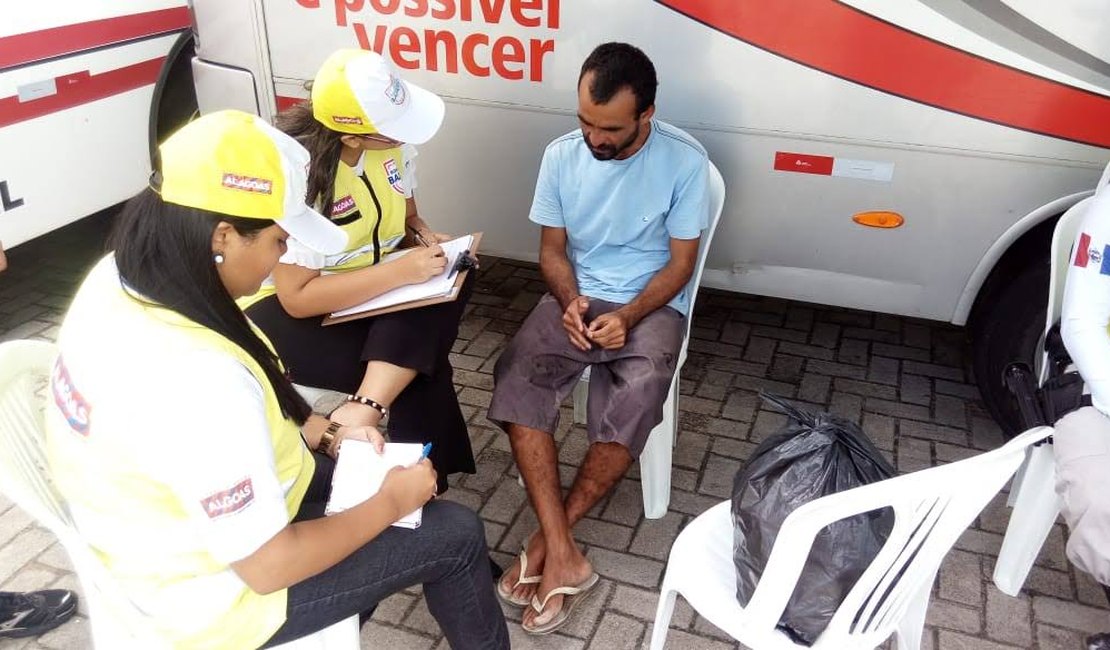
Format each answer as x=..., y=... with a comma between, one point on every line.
x=932, y=508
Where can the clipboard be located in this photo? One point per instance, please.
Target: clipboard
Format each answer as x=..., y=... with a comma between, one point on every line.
x=456, y=287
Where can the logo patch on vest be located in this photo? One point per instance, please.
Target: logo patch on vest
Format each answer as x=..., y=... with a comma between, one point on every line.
x=393, y=175
x=248, y=184
x=229, y=501
x=346, y=119
x=343, y=205
x=69, y=400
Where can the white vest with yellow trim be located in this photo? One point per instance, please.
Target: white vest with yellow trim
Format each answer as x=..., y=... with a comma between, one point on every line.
x=106, y=483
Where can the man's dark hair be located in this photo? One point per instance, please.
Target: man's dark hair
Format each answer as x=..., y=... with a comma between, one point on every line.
x=164, y=255
x=619, y=65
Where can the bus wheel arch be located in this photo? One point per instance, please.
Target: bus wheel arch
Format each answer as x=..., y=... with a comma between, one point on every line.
x=1006, y=323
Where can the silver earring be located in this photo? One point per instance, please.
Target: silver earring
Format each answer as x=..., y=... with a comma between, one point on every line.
x=219, y=258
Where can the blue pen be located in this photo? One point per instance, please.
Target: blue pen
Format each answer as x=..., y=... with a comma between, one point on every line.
x=424, y=452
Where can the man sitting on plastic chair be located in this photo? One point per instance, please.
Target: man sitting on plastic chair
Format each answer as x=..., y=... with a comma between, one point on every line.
x=622, y=204
x=1082, y=437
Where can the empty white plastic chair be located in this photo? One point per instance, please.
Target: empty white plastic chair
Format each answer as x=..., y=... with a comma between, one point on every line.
x=1033, y=493
x=116, y=623
x=932, y=508
x=655, y=461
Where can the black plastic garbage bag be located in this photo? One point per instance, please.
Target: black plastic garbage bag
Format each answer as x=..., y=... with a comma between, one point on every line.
x=812, y=456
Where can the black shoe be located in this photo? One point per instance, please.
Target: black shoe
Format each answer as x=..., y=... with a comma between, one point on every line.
x=1099, y=642
x=34, y=612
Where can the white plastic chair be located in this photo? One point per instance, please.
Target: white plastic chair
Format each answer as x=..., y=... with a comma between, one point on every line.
x=655, y=461
x=116, y=623
x=1033, y=493
x=932, y=508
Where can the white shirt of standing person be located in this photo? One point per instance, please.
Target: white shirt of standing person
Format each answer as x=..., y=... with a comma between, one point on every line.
x=1085, y=316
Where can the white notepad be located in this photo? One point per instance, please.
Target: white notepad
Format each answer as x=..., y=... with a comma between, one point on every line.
x=360, y=471
x=441, y=285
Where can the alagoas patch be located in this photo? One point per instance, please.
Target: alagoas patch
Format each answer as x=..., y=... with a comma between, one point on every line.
x=69, y=400
x=248, y=184
x=347, y=119
x=342, y=206
x=393, y=174
x=229, y=501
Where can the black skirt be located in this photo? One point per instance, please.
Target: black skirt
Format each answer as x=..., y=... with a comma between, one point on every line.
x=335, y=357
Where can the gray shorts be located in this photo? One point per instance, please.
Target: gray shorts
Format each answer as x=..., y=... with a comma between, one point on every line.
x=1082, y=449
x=628, y=386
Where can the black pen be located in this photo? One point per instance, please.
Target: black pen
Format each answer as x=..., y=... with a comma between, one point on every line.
x=416, y=235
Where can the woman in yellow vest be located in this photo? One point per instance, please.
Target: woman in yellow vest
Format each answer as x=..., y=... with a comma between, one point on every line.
x=360, y=128
x=182, y=449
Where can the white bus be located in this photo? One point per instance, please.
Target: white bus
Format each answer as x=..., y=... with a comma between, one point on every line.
x=86, y=88
x=965, y=127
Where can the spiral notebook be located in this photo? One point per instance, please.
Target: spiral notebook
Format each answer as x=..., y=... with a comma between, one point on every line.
x=359, y=473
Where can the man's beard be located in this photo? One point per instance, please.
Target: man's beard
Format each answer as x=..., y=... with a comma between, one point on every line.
x=609, y=151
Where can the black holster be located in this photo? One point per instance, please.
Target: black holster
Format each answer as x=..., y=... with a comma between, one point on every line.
x=1063, y=394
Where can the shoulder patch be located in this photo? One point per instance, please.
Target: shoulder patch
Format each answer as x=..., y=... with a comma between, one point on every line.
x=69, y=400
x=1089, y=254
x=229, y=501
x=393, y=174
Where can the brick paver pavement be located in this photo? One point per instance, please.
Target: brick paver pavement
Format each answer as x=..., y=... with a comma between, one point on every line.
x=905, y=380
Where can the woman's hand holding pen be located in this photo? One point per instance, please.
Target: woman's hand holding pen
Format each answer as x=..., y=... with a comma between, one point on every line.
x=409, y=488
x=422, y=263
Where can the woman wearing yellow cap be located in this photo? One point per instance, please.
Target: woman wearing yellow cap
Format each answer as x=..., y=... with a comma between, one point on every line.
x=360, y=128
x=183, y=451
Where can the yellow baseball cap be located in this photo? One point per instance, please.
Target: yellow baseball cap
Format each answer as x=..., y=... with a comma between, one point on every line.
x=357, y=91
x=234, y=163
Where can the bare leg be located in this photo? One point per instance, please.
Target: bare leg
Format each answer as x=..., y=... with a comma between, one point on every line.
x=604, y=465
x=383, y=382
x=535, y=455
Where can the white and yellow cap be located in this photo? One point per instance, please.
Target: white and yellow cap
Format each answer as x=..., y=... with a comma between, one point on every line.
x=234, y=163
x=356, y=91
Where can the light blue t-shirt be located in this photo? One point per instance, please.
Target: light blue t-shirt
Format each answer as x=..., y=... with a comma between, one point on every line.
x=621, y=214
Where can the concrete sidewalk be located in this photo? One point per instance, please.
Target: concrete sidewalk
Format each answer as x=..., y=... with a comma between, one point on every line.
x=905, y=380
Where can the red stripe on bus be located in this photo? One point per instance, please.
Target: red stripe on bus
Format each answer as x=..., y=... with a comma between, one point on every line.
x=285, y=102
x=832, y=37
x=81, y=88
x=67, y=39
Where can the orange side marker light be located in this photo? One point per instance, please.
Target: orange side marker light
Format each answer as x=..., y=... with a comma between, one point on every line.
x=879, y=219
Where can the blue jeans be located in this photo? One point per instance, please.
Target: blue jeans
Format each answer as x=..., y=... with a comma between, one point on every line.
x=447, y=554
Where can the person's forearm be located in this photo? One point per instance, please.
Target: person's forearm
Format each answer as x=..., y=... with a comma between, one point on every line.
x=415, y=222
x=304, y=549
x=334, y=291
x=659, y=291
x=559, y=275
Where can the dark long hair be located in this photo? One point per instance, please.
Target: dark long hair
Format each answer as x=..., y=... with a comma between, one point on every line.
x=324, y=146
x=164, y=254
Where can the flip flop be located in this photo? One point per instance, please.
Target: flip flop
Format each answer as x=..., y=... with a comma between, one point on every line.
x=571, y=597
x=507, y=595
